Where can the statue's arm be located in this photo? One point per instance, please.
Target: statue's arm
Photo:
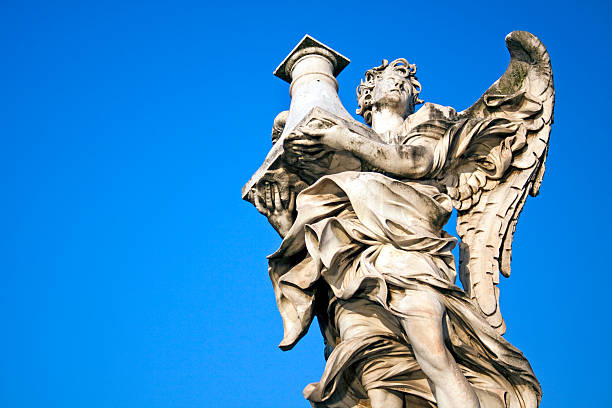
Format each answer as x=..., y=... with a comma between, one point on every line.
x=410, y=160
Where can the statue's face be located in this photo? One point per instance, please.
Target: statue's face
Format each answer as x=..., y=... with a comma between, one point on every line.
x=392, y=91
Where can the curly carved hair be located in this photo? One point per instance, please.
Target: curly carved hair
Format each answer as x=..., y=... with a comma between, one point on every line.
x=364, y=91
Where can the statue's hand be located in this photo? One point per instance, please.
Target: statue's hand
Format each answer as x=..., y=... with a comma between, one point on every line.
x=327, y=133
x=316, y=139
x=268, y=201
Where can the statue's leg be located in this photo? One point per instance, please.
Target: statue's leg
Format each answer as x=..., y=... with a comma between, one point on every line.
x=424, y=313
x=382, y=398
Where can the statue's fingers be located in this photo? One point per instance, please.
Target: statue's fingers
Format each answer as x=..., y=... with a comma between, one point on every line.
x=310, y=150
x=291, y=206
x=284, y=192
x=268, y=196
x=278, y=203
x=291, y=148
x=312, y=146
x=296, y=134
x=319, y=154
x=314, y=132
x=304, y=142
x=260, y=207
x=294, y=147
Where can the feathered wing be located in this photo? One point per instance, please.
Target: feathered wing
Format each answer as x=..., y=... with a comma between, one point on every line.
x=494, y=154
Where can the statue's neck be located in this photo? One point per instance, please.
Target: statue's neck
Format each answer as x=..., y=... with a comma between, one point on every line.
x=386, y=121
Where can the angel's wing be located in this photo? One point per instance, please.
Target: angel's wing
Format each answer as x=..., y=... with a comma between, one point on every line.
x=495, y=154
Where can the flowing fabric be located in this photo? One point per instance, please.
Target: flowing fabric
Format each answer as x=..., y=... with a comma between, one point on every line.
x=361, y=243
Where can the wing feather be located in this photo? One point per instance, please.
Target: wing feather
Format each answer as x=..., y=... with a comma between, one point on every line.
x=496, y=158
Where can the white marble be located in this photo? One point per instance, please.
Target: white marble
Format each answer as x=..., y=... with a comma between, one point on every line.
x=361, y=210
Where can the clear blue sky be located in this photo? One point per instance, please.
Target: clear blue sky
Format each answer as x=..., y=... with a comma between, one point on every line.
x=133, y=275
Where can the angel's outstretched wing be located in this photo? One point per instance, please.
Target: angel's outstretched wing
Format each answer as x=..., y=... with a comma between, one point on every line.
x=494, y=154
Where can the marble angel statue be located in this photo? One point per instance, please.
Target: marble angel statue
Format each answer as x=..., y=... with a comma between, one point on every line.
x=365, y=252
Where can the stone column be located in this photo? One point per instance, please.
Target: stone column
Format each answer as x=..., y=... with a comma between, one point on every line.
x=311, y=69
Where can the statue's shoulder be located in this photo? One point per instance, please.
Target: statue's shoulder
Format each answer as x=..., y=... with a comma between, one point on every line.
x=428, y=123
x=430, y=112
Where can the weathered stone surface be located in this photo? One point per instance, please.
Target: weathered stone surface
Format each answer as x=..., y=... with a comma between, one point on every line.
x=361, y=211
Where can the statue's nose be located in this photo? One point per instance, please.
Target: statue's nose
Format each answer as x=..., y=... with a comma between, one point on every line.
x=384, y=86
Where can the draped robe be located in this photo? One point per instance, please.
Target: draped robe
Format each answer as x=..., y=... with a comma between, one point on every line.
x=361, y=242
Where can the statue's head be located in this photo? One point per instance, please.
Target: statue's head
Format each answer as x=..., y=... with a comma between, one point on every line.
x=392, y=85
